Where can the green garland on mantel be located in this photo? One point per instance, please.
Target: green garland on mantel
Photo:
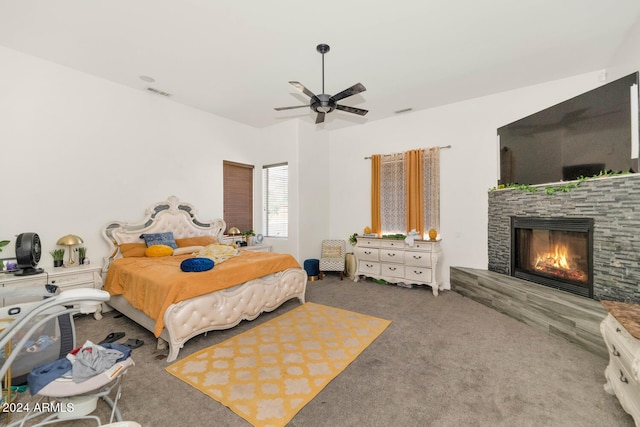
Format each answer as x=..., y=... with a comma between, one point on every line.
x=565, y=188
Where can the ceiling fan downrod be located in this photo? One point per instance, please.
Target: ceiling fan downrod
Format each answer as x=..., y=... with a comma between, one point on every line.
x=323, y=48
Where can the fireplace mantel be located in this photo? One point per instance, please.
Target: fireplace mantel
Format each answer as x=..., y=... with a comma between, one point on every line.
x=614, y=205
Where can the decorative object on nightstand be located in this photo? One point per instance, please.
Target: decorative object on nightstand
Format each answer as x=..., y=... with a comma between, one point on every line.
x=82, y=254
x=248, y=235
x=28, y=253
x=58, y=257
x=433, y=234
x=70, y=240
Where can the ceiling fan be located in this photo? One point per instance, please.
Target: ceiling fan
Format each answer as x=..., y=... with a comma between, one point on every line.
x=323, y=103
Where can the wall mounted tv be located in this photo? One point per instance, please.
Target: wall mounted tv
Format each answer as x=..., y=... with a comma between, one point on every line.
x=593, y=132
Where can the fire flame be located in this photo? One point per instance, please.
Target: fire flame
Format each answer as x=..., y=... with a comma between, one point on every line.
x=558, y=258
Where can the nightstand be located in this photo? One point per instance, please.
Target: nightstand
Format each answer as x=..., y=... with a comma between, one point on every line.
x=80, y=276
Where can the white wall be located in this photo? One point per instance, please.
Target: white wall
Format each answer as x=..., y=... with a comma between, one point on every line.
x=78, y=151
x=468, y=169
x=305, y=147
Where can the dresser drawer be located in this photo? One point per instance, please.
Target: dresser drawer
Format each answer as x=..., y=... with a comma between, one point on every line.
x=390, y=255
x=364, y=242
x=626, y=390
x=367, y=254
x=23, y=281
x=423, y=246
x=621, y=345
x=418, y=259
x=419, y=274
x=393, y=270
x=77, y=278
x=392, y=243
x=368, y=268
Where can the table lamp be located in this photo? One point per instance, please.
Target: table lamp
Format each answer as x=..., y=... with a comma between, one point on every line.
x=70, y=240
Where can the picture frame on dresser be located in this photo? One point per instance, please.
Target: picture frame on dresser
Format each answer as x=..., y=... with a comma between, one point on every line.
x=9, y=265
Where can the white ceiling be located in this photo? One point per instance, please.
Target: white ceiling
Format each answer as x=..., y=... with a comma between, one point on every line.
x=234, y=58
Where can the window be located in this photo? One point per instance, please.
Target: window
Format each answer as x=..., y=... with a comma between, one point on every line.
x=275, y=199
x=406, y=192
x=238, y=195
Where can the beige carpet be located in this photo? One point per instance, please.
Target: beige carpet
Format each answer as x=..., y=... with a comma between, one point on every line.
x=267, y=374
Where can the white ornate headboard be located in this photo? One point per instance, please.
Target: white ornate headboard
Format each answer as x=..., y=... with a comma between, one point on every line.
x=169, y=215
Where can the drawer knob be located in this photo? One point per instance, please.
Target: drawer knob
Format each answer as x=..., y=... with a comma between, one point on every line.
x=623, y=378
x=618, y=330
x=417, y=257
x=417, y=272
x=390, y=254
x=392, y=268
x=367, y=252
x=615, y=351
x=369, y=265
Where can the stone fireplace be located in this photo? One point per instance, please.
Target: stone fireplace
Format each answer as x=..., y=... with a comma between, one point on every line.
x=530, y=235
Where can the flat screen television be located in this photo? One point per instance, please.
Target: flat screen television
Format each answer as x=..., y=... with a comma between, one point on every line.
x=583, y=136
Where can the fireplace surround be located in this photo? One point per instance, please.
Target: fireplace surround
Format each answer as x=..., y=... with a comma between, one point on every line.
x=611, y=202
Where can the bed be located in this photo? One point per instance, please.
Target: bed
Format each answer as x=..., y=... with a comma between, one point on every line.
x=176, y=316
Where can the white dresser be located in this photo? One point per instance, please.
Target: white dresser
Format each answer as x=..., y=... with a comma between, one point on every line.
x=395, y=261
x=623, y=372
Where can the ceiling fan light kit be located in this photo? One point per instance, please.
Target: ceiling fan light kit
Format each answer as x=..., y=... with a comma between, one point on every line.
x=324, y=104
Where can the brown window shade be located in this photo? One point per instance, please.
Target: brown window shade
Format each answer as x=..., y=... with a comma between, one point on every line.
x=238, y=195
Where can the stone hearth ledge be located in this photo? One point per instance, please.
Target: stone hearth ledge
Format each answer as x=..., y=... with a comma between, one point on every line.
x=561, y=314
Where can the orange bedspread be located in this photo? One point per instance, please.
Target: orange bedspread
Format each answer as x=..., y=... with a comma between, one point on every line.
x=153, y=284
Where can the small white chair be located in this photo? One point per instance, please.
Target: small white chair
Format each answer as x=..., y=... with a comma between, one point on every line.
x=332, y=257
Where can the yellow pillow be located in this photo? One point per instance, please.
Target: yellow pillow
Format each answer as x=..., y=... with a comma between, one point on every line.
x=159, y=250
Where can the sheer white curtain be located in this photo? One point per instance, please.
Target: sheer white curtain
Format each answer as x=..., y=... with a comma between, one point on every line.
x=392, y=194
x=431, y=180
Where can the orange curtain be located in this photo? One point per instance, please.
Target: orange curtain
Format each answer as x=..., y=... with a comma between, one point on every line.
x=376, y=223
x=414, y=191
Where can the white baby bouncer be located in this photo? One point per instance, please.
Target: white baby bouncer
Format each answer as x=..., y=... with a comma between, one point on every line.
x=62, y=399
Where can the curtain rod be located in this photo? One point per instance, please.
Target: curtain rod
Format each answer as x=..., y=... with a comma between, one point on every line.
x=443, y=147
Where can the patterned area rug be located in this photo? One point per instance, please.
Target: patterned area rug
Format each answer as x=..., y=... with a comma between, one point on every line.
x=267, y=374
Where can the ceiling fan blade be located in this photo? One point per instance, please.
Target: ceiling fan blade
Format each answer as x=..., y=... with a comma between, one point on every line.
x=290, y=108
x=353, y=110
x=353, y=90
x=320, y=118
x=303, y=89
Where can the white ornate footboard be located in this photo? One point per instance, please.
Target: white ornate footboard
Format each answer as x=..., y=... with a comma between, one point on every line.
x=225, y=309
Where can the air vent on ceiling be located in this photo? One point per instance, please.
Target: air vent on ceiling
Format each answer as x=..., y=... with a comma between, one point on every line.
x=158, y=91
x=404, y=110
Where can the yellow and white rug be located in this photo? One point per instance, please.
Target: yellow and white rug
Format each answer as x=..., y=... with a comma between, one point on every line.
x=267, y=374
